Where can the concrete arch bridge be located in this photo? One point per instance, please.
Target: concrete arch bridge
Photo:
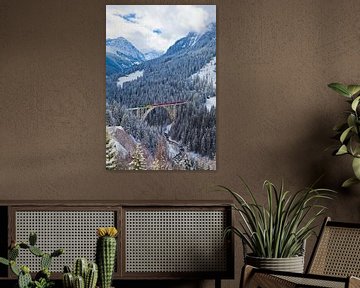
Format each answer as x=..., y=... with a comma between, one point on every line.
x=143, y=111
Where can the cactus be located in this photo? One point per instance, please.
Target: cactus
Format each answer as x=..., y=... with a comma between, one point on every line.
x=91, y=276
x=79, y=282
x=36, y=251
x=105, y=254
x=68, y=280
x=24, y=280
x=42, y=278
x=80, y=268
x=13, y=253
x=45, y=261
x=4, y=261
x=14, y=268
x=57, y=253
x=89, y=272
x=32, y=238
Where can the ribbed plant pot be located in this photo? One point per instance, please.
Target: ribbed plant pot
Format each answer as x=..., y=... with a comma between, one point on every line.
x=291, y=264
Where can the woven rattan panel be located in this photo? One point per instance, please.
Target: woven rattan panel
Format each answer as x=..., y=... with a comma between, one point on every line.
x=75, y=231
x=312, y=282
x=338, y=253
x=175, y=241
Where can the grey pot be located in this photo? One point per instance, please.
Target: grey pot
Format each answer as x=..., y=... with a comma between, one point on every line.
x=291, y=264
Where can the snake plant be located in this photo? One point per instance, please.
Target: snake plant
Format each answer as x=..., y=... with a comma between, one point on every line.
x=279, y=228
x=348, y=132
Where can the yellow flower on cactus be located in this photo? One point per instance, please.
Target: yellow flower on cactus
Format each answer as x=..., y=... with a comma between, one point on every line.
x=107, y=231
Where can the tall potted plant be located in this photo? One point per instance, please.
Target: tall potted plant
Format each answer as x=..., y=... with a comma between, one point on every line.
x=275, y=233
x=348, y=132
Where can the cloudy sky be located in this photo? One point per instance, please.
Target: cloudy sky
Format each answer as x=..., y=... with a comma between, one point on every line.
x=156, y=27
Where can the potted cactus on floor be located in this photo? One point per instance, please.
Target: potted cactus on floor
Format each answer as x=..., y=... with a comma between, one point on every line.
x=106, y=254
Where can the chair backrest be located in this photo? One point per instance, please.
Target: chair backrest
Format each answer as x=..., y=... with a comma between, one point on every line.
x=337, y=251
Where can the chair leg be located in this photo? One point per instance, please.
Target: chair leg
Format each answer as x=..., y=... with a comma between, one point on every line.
x=246, y=273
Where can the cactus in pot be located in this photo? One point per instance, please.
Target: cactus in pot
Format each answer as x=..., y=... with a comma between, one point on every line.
x=106, y=254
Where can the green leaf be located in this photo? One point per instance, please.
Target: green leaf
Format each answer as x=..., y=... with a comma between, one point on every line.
x=356, y=167
x=342, y=150
x=351, y=120
x=340, y=88
x=355, y=103
x=354, y=145
x=349, y=182
x=345, y=134
x=353, y=89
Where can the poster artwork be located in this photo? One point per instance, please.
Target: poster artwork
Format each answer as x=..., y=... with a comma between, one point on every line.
x=161, y=87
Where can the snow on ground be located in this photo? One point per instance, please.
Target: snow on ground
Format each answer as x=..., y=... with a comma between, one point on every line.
x=208, y=72
x=173, y=149
x=130, y=77
x=210, y=102
x=168, y=127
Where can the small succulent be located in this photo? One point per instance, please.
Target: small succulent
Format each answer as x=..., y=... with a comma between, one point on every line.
x=43, y=283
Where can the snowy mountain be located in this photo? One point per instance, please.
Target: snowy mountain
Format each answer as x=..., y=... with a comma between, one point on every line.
x=186, y=72
x=121, y=55
x=207, y=73
x=152, y=55
x=194, y=41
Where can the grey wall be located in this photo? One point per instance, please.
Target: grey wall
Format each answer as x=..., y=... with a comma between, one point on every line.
x=275, y=113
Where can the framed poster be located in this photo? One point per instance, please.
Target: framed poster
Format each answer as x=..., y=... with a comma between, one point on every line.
x=161, y=87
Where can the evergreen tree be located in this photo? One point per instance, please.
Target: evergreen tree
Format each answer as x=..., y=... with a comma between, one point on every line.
x=111, y=153
x=156, y=165
x=161, y=155
x=138, y=161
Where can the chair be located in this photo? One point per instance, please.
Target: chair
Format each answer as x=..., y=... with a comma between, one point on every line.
x=335, y=262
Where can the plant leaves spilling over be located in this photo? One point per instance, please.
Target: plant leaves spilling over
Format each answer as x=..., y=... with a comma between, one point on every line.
x=279, y=229
x=348, y=132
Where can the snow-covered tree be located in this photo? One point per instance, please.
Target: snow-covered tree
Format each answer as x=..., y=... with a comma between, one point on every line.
x=161, y=156
x=111, y=153
x=138, y=161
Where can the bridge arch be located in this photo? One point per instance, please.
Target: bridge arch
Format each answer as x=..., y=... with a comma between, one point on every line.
x=171, y=111
x=170, y=107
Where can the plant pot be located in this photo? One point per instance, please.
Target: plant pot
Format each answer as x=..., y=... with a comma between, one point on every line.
x=291, y=264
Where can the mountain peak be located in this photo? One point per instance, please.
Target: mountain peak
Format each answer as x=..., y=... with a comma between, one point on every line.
x=193, y=39
x=121, y=54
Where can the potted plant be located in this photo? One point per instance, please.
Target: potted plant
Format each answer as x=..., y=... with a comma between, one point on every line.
x=348, y=132
x=42, y=278
x=276, y=233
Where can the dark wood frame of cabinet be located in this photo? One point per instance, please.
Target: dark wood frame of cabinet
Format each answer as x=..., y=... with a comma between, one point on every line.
x=7, y=219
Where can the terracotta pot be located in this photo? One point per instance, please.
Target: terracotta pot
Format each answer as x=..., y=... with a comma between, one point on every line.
x=291, y=264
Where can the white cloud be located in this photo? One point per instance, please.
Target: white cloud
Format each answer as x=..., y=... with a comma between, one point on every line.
x=141, y=24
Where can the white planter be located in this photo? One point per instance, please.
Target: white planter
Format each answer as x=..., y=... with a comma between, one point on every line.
x=291, y=264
